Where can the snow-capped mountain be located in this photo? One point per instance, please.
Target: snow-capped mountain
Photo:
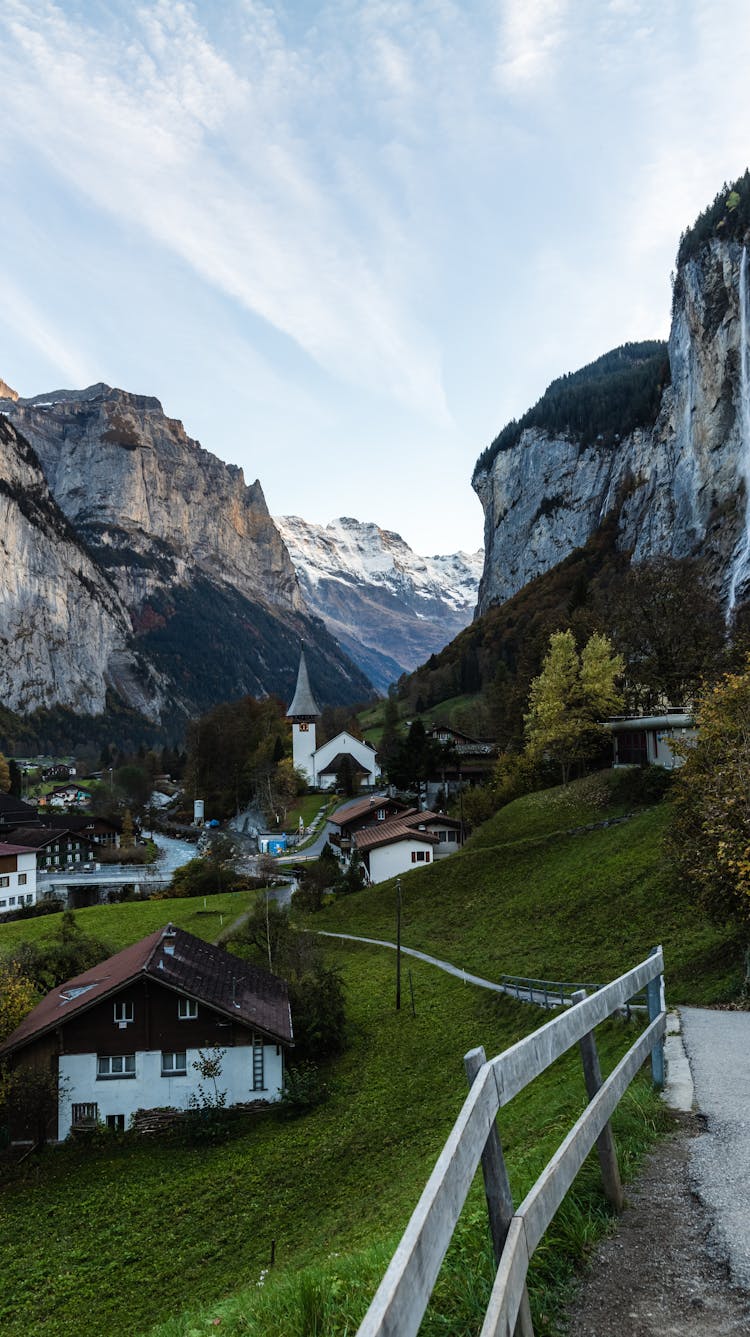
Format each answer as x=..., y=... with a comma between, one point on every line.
x=388, y=607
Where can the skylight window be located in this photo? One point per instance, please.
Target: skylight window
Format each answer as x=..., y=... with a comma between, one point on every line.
x=68, y=995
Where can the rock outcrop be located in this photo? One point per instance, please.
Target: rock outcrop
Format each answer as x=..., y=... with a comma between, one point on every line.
x=65, y=636
x=388, y=607
x=211, y=603
x=678, y=484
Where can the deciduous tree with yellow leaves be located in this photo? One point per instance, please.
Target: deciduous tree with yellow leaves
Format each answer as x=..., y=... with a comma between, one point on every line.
x=571, y=697
x=710, y=834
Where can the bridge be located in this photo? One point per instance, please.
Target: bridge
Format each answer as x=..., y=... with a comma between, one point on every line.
x=109, y=875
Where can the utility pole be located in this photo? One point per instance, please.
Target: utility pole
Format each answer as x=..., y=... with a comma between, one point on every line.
x=398, y=944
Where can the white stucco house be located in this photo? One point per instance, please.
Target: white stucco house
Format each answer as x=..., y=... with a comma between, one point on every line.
x=321, y=765
x=17, y=877
x=408, y=840
x=127, y=1034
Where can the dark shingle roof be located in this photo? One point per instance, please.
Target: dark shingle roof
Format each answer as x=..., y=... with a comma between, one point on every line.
x=246, y=993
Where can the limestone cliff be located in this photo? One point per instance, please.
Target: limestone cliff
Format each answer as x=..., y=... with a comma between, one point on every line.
x=64, y=632
x=206, y=592
x=677, y=483
x=152, y=503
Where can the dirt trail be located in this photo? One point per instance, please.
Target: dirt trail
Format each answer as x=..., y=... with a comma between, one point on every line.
x=657, y=1275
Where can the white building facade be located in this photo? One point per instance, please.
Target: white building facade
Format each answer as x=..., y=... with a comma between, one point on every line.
x=17, y=877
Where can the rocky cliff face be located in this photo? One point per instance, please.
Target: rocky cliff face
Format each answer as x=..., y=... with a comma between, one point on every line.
x=153, y=504
x=206, y=593
x=677, y=485
x=64, y=632
x=389, y=608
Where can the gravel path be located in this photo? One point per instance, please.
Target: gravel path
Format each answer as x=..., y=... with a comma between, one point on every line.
x=678, y=1264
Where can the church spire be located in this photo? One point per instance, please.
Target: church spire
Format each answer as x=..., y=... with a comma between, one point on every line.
x=304, y=706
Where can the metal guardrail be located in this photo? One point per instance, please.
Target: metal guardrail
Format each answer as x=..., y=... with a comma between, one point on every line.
x=404, y=1293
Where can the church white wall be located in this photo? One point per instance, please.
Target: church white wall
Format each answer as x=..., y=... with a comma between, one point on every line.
x=303, y=748
x=344, y=742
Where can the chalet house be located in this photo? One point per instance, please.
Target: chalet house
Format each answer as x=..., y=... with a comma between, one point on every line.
x=104, y=831
x=352, y=816
x=126, y=1034
x=54, y=849
x=646, y=740
x=405, y=841
x=66, y=796
x=17, y=877
x=469, y=760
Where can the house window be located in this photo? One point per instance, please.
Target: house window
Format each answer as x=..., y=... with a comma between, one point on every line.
x=442, y=836
x=632, y=748
x=124, y=1013
x=3, y=904
x=12, y=900
x=304, y=728
x=420, y=856
x=380, y=814
x=115, y=1065
x=4, y=881
x=174, y=1063
x=85, y=1114
x=187, y=1009
x=22, y=879
x=116, y=1123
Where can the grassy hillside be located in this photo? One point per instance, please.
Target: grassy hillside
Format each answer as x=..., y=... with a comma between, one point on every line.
x=526, y=898
x=121, y=1235
x=130, y=1237
x=119, y=925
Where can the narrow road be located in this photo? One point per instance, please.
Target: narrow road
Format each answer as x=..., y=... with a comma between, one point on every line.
x=718, y=1047
x=524, y=994
x=679, y=1261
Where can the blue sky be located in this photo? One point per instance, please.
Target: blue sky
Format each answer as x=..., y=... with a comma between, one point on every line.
x=345, y=242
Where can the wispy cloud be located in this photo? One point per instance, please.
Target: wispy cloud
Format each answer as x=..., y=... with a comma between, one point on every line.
x=531, y=35
x=162, y=131
x=26, y=321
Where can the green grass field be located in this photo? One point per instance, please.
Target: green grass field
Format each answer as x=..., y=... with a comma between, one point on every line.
x=523, y=898
x=132, y=1237
x=117, y=1237
x=120, y=925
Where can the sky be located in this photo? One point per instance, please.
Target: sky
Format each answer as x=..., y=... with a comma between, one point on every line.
x=346, y=242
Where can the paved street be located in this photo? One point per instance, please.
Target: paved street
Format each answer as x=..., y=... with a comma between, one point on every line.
x=718, y=1047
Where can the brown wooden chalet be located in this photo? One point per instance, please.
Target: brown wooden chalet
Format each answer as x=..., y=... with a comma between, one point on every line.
x=126, y=1034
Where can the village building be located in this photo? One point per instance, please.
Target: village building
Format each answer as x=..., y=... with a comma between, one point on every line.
x=322, y=765
x=17, y=877
x=15, y=812
x=391, y=837
x=127, y=1034
x=648, y=740
x=55, y=848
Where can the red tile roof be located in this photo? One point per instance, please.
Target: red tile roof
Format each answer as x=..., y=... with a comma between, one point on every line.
x=246, y=993
x=14, y=849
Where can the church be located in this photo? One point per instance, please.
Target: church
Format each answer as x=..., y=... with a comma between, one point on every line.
x=321, y=764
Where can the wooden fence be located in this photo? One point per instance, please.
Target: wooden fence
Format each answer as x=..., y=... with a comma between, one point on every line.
x=404, y=1293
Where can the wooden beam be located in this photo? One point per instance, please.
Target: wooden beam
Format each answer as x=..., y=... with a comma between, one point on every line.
x=605, y=1143
x=404, y=1292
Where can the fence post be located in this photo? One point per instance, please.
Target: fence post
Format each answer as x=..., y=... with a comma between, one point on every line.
x=497, y=1191
x=605, y=1143
x=656, y=1004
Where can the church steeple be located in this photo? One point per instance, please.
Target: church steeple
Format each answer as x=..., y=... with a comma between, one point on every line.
x=303, y=713
x=304, y=706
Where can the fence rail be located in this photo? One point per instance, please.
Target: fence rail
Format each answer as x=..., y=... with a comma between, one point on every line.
x=404, y=1293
